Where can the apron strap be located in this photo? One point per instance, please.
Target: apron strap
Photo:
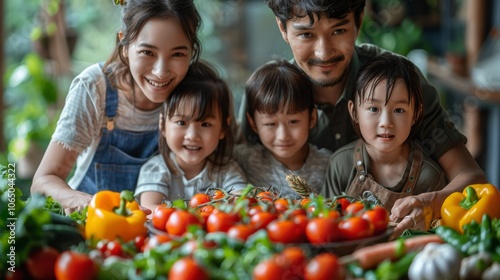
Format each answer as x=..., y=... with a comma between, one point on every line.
x=415, y=168
x=111, y=103
x=358, y=160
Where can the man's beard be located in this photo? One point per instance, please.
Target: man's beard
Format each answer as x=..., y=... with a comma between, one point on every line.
x=328, y=82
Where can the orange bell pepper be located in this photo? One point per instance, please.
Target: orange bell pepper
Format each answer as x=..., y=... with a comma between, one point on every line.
x=462, y=208
x=112, y=215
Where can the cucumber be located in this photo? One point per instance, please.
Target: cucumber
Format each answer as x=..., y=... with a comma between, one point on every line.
x=62, y=220
x=62, y=236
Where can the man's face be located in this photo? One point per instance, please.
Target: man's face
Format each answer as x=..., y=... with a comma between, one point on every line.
x=324, y=50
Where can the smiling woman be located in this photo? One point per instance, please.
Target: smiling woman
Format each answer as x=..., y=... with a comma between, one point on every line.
x=109, y=124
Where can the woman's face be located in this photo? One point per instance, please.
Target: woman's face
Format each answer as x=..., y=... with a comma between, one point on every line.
x=159, y=59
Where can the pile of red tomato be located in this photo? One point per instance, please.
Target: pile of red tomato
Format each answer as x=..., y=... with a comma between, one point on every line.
x=312, y=220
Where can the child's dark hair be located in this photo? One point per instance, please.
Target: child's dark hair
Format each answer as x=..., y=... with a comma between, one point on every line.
x=135, y=14
x=277, y=86
x=203, y=90
x=390, y=68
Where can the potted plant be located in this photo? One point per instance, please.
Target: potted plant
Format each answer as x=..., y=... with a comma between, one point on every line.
x=31, y=113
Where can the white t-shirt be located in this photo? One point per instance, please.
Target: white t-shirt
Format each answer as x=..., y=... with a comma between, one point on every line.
x=263, y=170
x=83, y=117
x=155, y=176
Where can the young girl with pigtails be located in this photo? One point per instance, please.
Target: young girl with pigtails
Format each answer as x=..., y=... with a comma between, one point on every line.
x=196, y=142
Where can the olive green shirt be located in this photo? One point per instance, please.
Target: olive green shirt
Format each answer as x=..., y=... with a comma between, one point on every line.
x=341, y=171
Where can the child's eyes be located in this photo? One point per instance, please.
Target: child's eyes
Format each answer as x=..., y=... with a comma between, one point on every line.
x=399, y=110
x=180, y=123
x=269, y=124
x=206, y=124
x=294, y=121
x=373, y=109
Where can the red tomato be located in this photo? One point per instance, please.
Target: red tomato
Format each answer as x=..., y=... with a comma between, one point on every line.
x=284, y=231
x=218, y=194
x=297, y=211
x=343, y=202
x=304, y=202
x=330, y=213
x=281, y=205
x=102, y=245
x=205, y=211
x=271, y=268
x=355, y=227
x=324, y=266
x=265, y=196
x=41, y=261
x=207, y=208
x=113, y=248
x=72, y=265
x=354, y=207
x=295, y=259
x=155, y=240
x=198, y=199
x=252, y=201
x=254, y=210
x=262, y=219
x=139, y=242
x=179, y=221
x=221, y=221
x=301, y=221
x=379, y=217
x=160, y=216
x=322, y=230
x=241, y=231
x=187, y=268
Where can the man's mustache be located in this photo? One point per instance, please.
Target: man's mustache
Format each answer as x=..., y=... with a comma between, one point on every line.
x=327, y=62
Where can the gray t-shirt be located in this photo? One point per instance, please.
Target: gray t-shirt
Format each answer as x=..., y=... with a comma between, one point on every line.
x=83, y=116
x=263, y=170
x=156, y=177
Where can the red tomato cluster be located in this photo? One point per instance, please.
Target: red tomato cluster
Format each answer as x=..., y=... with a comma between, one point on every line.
x=292, y=263
x=284, y=220
x=309, y=220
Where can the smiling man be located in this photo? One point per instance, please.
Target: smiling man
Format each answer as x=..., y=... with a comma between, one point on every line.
x=322, y=37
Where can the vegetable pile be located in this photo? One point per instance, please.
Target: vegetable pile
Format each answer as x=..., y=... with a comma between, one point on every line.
x=215, y=235
x=254, y=234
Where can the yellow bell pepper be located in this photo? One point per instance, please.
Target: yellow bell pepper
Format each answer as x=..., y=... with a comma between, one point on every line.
x=112, y=215
x=459, y=209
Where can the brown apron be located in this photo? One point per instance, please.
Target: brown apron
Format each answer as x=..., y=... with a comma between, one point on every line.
x=365, y=186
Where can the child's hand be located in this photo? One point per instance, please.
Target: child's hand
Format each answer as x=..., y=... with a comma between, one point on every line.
x=147, y=211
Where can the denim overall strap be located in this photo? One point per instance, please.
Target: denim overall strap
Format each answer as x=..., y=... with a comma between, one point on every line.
x=111, y=105
x=119, y=154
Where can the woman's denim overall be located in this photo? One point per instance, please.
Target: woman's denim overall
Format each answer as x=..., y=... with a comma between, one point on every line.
x=119, y=155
